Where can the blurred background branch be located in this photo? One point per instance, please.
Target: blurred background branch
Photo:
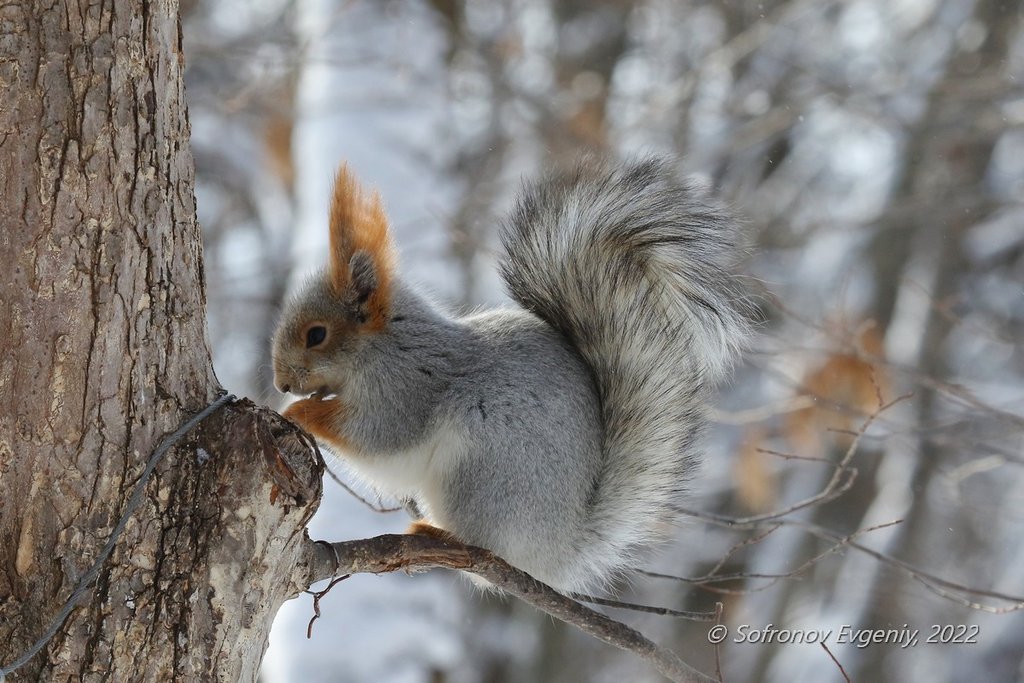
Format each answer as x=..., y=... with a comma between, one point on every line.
x=876, y=151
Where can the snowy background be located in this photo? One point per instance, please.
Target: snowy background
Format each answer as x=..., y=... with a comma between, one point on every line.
x=875, y=149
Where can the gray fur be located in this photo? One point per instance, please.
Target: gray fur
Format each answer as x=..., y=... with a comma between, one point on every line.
x=557, y=436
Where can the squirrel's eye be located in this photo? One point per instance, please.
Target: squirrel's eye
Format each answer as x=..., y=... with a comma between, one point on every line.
x=315, y=336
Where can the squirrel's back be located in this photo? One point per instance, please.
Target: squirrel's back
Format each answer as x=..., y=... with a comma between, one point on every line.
x=636, y=269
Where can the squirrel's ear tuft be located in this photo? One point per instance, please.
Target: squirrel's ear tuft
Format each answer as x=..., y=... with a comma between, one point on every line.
x=362, y=258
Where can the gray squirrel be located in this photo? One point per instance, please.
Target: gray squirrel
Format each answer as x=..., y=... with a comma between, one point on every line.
x=558, y=435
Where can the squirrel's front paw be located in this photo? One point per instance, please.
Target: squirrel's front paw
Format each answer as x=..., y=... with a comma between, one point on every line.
x=323, y=418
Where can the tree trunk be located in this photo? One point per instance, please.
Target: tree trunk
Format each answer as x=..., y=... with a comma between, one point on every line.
x=104, y=353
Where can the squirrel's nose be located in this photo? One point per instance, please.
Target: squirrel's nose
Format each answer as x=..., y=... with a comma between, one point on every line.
x=284, y=388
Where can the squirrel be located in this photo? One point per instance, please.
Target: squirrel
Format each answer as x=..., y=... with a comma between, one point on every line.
x=560, y=434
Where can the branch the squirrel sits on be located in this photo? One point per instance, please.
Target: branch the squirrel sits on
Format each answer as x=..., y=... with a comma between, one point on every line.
x=558, y=435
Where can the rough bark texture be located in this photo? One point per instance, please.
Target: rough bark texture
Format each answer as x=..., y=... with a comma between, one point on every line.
x=104, y=351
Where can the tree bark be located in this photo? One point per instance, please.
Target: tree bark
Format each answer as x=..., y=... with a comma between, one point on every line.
x=102, y=324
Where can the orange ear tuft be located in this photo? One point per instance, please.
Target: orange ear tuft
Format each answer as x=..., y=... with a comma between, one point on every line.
x=358, y=223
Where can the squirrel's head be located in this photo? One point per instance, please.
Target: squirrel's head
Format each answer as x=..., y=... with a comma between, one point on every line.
x=325, y=325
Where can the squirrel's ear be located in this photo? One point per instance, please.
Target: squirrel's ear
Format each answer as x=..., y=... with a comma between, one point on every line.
x=362, y=258
x=364, y=283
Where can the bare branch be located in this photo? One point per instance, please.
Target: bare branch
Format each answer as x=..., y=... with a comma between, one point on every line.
x=841, y=481
x=719, y=609
x=938, y=585
x=647, y=609
x=831, y=656
x=713, y=577
x=941, y=587
x=393, y=552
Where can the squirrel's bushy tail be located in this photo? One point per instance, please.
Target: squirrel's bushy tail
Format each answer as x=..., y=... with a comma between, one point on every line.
x=635, y=267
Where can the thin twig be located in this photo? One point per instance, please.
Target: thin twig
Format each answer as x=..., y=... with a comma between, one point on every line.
x=714, y=577
x=840, y=482
x=833, y=657
x=316, y=601
x=957, y=393
x=376, y=507
x=793, y=456
x=936, y=584
x=647, y=609
x=719, y=609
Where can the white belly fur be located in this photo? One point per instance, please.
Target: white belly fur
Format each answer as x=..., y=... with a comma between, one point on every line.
x=417, y=472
